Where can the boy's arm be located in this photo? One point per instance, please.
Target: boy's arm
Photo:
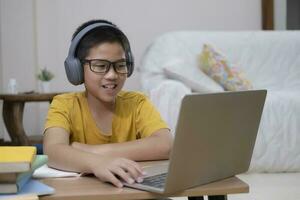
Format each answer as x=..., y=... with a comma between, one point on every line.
x=155, y=147
x=63, y=156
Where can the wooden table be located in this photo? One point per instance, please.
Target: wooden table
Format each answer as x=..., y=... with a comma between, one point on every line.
x=90, y=188
x=13, y=108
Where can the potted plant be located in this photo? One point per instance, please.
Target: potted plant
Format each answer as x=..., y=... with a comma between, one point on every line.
x=45, y=76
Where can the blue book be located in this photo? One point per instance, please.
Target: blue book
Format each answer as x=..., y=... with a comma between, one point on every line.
x=22, y=178
x=32, y=187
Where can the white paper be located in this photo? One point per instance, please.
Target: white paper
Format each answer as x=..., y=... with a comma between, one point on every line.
x=47, y=172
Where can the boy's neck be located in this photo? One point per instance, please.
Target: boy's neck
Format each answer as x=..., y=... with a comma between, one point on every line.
x=96, y=104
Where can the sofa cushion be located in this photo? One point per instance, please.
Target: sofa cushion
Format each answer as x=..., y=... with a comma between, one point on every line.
x=216, y=66
x=191, y=76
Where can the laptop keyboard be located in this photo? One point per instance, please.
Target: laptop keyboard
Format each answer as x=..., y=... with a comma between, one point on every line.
x=157, y=181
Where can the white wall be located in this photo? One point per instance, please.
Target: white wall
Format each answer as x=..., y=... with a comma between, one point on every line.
x=37, y=33
x=17, y=52
x=141, y=20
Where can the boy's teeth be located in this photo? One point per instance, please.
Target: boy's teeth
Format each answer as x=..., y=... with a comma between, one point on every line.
x=109, y=86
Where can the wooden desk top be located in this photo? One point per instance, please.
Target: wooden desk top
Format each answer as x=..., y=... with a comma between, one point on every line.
x=78, y=188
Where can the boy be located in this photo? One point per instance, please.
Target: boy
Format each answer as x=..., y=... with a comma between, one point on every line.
x=103, y=130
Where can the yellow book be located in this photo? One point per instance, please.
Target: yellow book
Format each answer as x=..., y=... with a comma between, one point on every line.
x=24, y=197
x=16, y=158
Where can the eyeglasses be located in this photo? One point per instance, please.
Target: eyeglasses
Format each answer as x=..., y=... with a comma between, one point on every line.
x=103, y=66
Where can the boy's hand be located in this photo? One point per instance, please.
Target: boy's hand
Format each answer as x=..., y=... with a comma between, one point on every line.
x=109, y=168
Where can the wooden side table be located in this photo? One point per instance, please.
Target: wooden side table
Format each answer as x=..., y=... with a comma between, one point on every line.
x=13, y=108
x=91, y=188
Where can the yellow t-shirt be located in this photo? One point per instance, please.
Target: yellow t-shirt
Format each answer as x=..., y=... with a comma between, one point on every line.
x=135, y=117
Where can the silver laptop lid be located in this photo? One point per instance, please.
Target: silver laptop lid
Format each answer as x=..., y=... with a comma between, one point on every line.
x=215, y=137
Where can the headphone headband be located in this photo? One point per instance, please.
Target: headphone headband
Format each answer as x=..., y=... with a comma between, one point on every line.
x=79, y=36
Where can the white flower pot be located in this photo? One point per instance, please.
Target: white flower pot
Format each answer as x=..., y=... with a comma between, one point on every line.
x=44, y=87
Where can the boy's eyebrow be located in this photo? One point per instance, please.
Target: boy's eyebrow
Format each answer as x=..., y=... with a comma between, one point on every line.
x=122, y=59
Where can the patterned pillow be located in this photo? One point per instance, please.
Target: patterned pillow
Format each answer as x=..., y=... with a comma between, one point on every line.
x=218, y=68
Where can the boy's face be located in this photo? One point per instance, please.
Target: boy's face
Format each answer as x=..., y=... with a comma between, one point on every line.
x=106, y=86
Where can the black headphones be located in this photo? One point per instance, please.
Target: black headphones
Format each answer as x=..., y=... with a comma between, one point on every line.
x=73, y=65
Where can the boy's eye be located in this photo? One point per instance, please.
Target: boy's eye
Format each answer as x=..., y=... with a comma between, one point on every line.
x=99, y=67
x=121, y=65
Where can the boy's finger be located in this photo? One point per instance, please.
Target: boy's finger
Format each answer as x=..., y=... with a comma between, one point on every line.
x=123, y=175
x=109, y=177
x=133, y=171
x=137, y=167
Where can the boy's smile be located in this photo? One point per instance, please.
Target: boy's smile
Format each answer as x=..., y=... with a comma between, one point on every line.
x=104, y=86
x=110, y=86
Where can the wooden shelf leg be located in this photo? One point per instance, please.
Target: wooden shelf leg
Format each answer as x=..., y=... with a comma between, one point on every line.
x=13, y=119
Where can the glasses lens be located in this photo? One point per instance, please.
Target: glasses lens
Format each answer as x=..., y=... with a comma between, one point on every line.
x=121, y=67
x=99, y=66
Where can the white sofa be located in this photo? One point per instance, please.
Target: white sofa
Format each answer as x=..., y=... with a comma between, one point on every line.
x=270, y=60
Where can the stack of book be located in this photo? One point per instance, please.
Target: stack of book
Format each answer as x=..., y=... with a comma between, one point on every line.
x=17, y=164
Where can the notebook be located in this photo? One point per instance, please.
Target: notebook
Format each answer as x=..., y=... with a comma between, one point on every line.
x=48, y=172
x=214, y=139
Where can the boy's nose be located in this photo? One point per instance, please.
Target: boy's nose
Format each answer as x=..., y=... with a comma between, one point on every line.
x=111, y=73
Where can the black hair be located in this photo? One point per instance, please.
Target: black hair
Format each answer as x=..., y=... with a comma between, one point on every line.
x=95, y=37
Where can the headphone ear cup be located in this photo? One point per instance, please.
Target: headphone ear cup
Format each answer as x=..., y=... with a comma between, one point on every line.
x=130, y=63
x=130, y=69
x=74, y=71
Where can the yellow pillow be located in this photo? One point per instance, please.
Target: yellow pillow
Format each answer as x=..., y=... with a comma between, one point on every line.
x=218, y=68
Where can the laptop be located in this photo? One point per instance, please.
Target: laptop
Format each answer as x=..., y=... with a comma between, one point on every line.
x=214, y=139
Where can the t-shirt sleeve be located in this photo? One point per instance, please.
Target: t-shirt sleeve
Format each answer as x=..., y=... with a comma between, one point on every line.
x=59, y=114
x=148, y=118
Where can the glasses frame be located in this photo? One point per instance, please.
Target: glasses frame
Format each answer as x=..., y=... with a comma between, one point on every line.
x=113, y=64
